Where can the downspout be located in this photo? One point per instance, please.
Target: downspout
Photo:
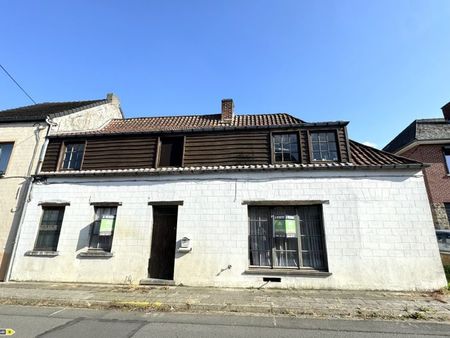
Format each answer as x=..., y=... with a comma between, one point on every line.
x=29, y=179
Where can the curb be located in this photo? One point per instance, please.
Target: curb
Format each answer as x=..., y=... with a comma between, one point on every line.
x=305, y=312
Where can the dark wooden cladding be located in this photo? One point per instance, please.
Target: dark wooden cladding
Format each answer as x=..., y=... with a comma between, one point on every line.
x=342, y=143
x=51, y=155
x=227, y=148
x=304, y=147
x=200, y=149
x=120, y=153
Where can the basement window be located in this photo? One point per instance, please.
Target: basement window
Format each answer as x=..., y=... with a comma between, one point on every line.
x=290, y=237
x=73, y=156
x=5, y=154
x=171, y=151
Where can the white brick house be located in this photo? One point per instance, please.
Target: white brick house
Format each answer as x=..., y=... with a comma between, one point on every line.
x=369, y=221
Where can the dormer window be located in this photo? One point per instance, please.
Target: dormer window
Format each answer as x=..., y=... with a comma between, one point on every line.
x=285, y=147
x=324, y=146
x=73, y=156
x=171, y=151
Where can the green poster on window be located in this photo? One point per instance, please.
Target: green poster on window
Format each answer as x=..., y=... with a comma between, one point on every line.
x=285, y=226
x=106, y=225
x=280, y=227
x=291, y=226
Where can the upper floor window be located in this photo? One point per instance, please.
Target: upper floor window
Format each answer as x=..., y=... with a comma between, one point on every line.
x=285, y=147
x=102, y=230
x=49, y=229
x=324, y=146
x=73, y=156
x=447, y=158
x=171, y=151
x=5, y=154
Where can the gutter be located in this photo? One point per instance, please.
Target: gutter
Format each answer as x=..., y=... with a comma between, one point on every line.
x=224, y=169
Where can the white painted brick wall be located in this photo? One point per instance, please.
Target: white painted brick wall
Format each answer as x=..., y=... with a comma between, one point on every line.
x=378, y=226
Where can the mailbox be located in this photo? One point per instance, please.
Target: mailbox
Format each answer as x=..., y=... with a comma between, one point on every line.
x=185, y=245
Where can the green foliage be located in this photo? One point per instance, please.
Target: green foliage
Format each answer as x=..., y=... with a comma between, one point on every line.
x=447, y=272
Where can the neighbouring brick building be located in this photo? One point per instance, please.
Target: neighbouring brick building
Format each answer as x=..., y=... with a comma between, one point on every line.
x=428, y=141
x=228, y=200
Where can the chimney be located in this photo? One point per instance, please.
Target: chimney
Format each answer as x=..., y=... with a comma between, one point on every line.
x=113, y=99
x=227, y=110
x=446, y=111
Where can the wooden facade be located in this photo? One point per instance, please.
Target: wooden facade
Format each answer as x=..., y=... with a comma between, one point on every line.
x=212, y=148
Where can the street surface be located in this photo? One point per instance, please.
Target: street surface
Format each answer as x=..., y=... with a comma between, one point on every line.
x=49, y=322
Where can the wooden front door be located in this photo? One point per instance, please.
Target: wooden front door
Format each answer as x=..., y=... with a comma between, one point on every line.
x=162, y=256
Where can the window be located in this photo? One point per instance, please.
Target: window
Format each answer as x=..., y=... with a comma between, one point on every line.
x=447, y=158
x=73, y=156
x=287, y=237
x=102, y=229
x=171, y=152
x=324, y=146
x=285, y=147
x=49, y=229
x=5, y=153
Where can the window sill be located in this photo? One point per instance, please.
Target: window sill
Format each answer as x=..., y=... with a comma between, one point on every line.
x=286, y=272
x=42, y=253
x=95, y=254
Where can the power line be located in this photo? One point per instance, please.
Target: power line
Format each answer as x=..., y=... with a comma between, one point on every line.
x=18, y=85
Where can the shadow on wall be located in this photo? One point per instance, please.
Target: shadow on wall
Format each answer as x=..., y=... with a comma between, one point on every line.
x=83, y=238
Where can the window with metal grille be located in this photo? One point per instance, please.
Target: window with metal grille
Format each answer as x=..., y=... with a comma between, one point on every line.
x=285, y=147
x=102, y=230
x=287, y=237
x=49, y=229
x=5, y=154
x=73, y=156
x=324, y=146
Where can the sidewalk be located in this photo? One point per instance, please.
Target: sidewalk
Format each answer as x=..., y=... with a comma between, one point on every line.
x=301, y=303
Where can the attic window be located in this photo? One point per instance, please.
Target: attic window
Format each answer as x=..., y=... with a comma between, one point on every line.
x=447, y=158
x=285, y=147
x=324, y=146
x=171, y=151
x=73, y=156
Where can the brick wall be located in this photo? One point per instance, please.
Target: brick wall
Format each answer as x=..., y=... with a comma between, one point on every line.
x=378, y=227
x=436, y=178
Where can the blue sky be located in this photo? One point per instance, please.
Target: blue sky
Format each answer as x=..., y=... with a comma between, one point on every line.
x=378, y=64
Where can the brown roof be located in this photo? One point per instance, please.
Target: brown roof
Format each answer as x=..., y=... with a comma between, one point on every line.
x=38, y=112
x=183, y=123
x=363, y=155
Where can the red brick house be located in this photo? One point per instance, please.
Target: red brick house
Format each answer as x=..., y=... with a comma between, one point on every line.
x=428, y=141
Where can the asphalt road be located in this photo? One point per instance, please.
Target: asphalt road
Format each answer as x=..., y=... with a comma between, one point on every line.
x=60, y=322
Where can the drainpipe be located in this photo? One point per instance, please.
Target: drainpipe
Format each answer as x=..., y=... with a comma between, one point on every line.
x=29, y=180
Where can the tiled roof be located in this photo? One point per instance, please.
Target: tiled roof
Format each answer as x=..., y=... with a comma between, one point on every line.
x=194, y=170
x=363, y=155
x=182, y=123
x=38, y=112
